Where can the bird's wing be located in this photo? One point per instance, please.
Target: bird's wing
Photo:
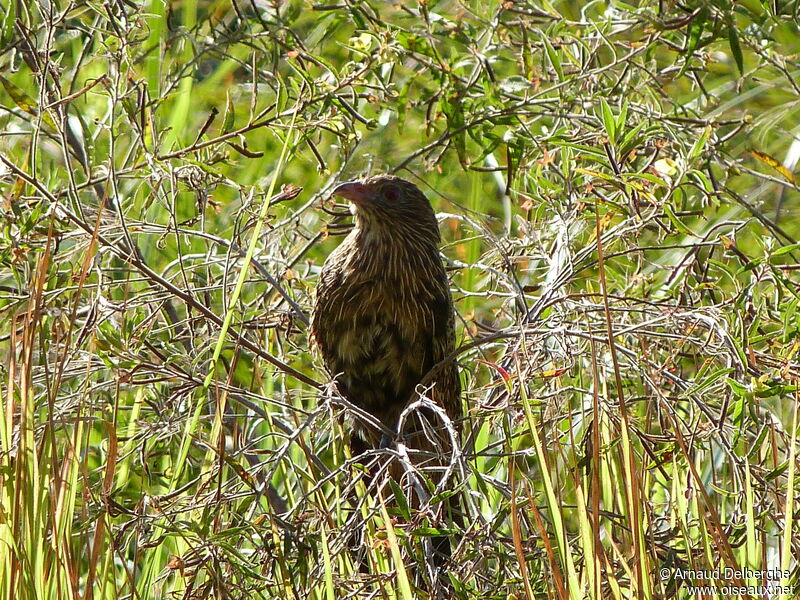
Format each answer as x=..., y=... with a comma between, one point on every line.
x=447, y=388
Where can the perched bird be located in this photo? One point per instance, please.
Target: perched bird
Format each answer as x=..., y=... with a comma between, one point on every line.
x=383, y=316
x=383, y=320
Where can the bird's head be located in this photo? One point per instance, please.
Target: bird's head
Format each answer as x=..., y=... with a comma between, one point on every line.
x=387, y=205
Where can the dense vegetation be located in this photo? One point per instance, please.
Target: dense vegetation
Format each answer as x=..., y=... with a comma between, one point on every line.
x=616, y=194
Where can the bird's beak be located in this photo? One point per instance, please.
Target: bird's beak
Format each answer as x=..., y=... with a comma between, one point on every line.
x=354, y=191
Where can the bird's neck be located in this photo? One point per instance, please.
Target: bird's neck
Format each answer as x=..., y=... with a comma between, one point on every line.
x=389, y=252
x=401, y=232
x=389, y=238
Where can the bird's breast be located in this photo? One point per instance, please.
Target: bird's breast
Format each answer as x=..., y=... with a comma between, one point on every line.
x=379, y=318
x=375, y=339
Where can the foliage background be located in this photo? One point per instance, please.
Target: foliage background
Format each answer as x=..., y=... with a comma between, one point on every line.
x=616, y=192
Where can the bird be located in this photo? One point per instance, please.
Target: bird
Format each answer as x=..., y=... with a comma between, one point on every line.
x=383, y=320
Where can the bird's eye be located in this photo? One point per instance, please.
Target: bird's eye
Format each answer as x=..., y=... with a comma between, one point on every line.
x=390, y=193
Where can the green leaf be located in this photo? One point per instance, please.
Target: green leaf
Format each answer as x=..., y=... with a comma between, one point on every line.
x=694, y=32
x=25, y=102
x=453, y=109
x=632, y=139
x=676, y=221
x=709, y=381
x=7, y=24
x=738, y=388
x=553, y=58
x=400, y=499
x=786, y=249
x=431, y=531
x=623, y=116
x=609, y=122
x=700, y=144
x=702, y=180
x=733, y=40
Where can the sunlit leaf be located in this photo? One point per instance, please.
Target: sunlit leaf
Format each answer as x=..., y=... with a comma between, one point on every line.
x=774, y=163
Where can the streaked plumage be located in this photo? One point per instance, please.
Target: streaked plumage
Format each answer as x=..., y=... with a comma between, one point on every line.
x=383, y=316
